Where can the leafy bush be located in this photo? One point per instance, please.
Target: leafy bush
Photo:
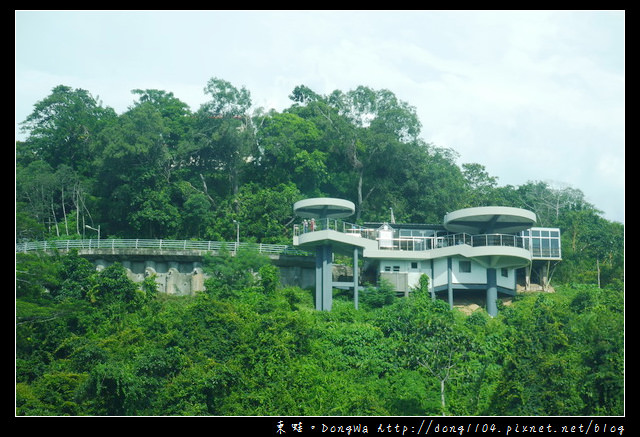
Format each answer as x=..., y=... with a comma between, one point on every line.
x=377, y=297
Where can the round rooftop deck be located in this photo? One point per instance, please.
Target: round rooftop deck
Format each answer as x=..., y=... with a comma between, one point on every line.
x=324, y=207
x=489, y=220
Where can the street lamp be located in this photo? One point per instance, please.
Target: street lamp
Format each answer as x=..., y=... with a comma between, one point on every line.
x=237, y=234
x=94, y=229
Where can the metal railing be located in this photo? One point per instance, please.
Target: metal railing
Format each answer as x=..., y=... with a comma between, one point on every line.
x=399, y=242
x=208, y=246
x=334, y=225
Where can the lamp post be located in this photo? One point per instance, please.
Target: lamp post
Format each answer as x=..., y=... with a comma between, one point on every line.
x=94, y=229
x=237, y=234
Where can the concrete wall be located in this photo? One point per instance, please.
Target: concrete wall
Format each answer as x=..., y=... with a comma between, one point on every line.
x=402, y=275
x=187, y=278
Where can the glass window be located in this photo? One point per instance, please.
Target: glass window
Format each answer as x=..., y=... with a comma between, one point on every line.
x=464, y=266
x=545, y=242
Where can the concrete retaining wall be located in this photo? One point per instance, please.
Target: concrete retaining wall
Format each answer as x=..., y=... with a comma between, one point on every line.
x=187, y=278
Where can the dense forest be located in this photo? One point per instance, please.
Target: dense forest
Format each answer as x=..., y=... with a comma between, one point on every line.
x=94, y=343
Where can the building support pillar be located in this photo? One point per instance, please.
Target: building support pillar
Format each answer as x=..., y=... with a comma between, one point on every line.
x=450, y=281
x=431, y=281
x=356, y=279
x=544, y=276
x=492, y=292
x=324, y=278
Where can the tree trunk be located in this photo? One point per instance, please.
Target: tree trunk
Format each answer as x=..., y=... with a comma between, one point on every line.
x=64, y=213
x=360, y=177
x=442, y=400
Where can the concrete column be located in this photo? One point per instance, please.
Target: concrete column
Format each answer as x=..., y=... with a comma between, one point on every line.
x=544, y=276
x=450, y=281
x=492, y=293
x=197, y=279
x=319, y=258
x=324, y=278
x=355, y=276
x=327, y=279
x=431, y=280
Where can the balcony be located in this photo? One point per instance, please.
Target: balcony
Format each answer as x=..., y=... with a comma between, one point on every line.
x=391, y=239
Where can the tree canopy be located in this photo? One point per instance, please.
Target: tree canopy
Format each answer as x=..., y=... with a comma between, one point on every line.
x=161, y=170
x=94, y=343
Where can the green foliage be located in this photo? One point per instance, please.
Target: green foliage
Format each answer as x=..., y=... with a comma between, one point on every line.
x=378, y=296
x=112, y=287
x=260, y=349
x=94, y=343
x=230, y=273
x=160, y=171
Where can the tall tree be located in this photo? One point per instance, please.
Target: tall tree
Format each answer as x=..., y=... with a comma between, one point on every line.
x=480, y=185
x=288, y=152
x=380, y=121
x=175, y=113
x=223, y=135
x=62, y=128
x=56, y=199
x=133, y=161
x=548, y=202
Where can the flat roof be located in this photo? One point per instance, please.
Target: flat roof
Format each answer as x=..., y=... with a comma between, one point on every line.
x=324, y=207
x=489, y=220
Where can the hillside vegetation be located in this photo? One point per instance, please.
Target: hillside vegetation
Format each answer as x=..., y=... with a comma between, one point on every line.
x=94, y=343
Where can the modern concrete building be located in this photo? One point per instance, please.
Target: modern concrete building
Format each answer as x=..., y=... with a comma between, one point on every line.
x=475, y=250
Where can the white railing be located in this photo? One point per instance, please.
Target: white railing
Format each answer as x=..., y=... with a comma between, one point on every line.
x=398, y=242
x=207, y=246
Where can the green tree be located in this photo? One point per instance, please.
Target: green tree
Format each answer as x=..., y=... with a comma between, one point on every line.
x=480, y=186
x=266, y=213
x=35, y=274
x=426, y=183
x=592, y=248
x=288, y=153
x=230, y=273
x=56, y=199
x=377, y=297
x=379, y=121
x=175, y=114
x=155, y=215
x=133, y=162
x=538, y=363
x=115, y=292
x=62, y=128
x=196, y=216
x=597, y=331
x=549, y=202
x=223, y=136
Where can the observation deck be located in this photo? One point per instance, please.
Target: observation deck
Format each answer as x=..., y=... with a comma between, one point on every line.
x=497, y=240
x=387, y=242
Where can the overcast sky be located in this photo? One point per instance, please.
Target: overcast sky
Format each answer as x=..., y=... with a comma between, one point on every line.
x=531, y=95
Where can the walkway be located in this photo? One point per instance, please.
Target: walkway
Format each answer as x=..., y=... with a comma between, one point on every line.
x=165, y=245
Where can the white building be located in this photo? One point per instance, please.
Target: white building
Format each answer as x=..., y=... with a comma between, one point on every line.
x=474, y=249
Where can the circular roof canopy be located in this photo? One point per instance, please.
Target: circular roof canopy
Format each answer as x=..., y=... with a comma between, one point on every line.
x=324, y=207
x=489, y=220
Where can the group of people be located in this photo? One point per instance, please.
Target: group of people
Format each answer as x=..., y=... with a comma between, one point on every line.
x=308, y=225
